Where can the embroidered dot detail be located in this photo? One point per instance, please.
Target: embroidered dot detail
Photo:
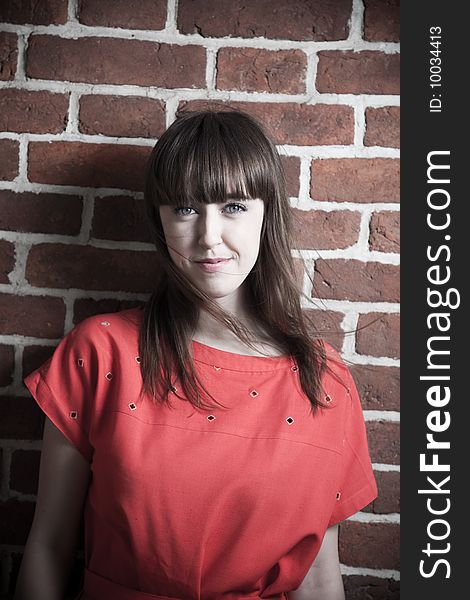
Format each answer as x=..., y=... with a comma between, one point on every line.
x=338, y=495
x=73, y=414
x=80, y=362
x=328, y=399
x=217, y=368
x=132, y=406
x=254, y=393
x=137, y=359
x=109, y=376
x=105, y=323
x=290, y=420
x=210, y=418
x=294, y=368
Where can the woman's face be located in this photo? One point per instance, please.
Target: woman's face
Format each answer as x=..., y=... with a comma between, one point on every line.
x=228, y=231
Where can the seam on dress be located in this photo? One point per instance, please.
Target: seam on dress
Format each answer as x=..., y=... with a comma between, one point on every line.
x=140, y=420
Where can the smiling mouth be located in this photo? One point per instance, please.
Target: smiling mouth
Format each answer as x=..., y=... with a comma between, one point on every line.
x=212, y=265
x=212, y=261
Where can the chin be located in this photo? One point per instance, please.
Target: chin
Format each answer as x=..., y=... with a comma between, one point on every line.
x=219, y=293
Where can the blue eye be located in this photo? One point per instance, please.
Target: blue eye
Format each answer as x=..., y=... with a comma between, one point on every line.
x=180, y=210
x=241, y=207
x=183, y=211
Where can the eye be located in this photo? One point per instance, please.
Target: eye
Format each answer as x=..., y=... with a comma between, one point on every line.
x=182, y=210
x=238, y=208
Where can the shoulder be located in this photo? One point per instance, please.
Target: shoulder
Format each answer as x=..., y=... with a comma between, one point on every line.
x=108, y=331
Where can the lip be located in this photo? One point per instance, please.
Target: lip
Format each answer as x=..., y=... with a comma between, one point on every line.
x=212, y=260
x=212, y=264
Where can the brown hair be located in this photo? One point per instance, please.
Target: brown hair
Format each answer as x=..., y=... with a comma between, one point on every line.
x=195, y=160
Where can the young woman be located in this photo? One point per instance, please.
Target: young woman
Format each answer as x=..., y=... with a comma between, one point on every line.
x=210, y=439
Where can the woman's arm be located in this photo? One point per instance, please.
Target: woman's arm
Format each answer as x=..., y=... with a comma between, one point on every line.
x=64, y=476
x=323, y=580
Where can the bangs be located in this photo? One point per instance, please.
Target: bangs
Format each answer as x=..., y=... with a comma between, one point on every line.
x=208, y=157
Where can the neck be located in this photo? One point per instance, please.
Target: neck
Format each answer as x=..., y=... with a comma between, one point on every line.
x=237, y=306
x=212, y=333
x=209, y=327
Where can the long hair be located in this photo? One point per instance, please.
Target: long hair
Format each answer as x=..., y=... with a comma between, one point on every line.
x=198, y=158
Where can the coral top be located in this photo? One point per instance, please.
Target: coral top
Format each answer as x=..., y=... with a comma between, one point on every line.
x=191, y=504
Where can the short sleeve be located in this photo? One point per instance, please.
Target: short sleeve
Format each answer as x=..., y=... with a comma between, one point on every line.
x=65, y=386
x=357, y=486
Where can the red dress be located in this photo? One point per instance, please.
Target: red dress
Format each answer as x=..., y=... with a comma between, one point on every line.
x=201, y=505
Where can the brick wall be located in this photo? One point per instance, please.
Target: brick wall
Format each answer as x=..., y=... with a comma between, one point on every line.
x=86, y=87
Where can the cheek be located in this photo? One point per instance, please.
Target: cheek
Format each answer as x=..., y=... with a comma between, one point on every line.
x=254, y=231
x=175, y=257
x=177, y=245
x=178, y=237
x=248, y=240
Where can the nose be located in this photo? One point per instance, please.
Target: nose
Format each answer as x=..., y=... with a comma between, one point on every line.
x=210, y=227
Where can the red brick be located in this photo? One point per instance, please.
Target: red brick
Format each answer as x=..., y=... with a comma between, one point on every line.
x=382, y=20
x=291, y=166
x=366, y=587
x=40, y=213
x=356, y=180
x=366, y=72
x=7, y=364
x=378, y=387
x=257, y=70
x=327, y=325
x=35, y=356
x=88, y=165
x=51, y=12
x=8, y=55
x=7, y=260
x=325, y=230
x=122, y=116
x=144, y=14
x=34, y=316
x=384, y=442
x=385, y=232
x=355, y=280
x=128, y=222
x=15, y=518
x=33, y=112
x=87, y=307
x=21, y=418
x=301, y=20
x=369, y=545
x=388, y=500
x=8, y=159
x=379, y=337
x=383, y=127
x=65, y=266
x=24, y=471
x=301, y=124
x=116, y=61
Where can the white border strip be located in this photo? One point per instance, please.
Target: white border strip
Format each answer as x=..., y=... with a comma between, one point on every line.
x=381, y=573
